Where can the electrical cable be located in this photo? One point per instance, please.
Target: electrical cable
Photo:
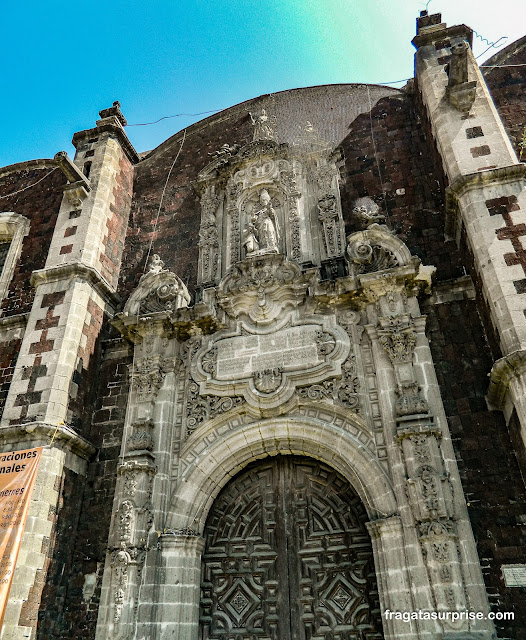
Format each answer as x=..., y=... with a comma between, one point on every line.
x=162, y=198
x=501, y=66
x=30, y=186
x=177, y=115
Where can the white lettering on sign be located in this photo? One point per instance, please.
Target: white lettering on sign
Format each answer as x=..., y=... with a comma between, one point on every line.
x=514, y=575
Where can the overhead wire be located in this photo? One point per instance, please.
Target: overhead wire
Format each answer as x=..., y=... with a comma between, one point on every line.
x=29, y=186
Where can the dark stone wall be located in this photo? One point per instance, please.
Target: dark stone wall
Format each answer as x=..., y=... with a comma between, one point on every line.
x=491, y=478
x=68, y=611
x=40, y=204
x=404, y=160
x=506, y=85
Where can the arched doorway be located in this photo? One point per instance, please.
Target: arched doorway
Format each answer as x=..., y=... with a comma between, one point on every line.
x=288, y=557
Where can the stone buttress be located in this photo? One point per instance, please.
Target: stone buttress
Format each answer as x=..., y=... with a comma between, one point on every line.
x=486, y=196
x=75, y=292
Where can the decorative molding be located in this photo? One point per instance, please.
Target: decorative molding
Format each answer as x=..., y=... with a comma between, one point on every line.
x=397, y=336
x=40, y=434
x=159, y=290
x=266, y=364
x=375, y=249
x=503, y=373
x=81, y=271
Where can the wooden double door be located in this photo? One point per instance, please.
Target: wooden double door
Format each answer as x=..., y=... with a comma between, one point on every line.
x=288, y=557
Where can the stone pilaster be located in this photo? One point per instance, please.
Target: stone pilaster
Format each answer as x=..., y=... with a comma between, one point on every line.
x=486, y=196
x=76, y=287
x=178, y=617
x=437, y=535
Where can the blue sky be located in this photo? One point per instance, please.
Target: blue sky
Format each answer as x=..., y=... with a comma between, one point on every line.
x=64, y=61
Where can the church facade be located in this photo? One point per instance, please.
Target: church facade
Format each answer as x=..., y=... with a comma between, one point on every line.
x=277, y=365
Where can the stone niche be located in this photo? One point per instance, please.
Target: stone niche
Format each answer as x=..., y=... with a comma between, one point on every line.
x=267, y=197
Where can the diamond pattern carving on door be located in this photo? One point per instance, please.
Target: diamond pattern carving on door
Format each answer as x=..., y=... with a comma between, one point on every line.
x=288, y=557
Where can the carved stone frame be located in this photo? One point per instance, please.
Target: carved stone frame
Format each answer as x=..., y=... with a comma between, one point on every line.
x=13, y=227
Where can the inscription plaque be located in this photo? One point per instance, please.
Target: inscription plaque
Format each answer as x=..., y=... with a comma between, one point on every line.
x=514, y=575
x=267, y=367
x=289, y=349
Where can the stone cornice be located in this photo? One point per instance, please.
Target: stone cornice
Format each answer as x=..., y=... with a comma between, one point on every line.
x=13, y=322
x=503, y=372
x=466, y=183
x=502, y=175
x=182, y=323
x=115, y=131
x=428, y=37
x=28, y=165
x=78, y=270
x=41, y=432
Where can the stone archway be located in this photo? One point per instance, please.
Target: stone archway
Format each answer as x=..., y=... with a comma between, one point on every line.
x=287, y=555
x=215, y=454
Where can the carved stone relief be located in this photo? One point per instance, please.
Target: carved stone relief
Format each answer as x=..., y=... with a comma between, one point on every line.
x=266, y=366
x=261, y=287
x=366, y=212
x=326, y=177
x=159, y=290
x=141, y=438
x=375, y=249
x=262, y=231
x=209, y=253
x=398, y=338
x=147, y=378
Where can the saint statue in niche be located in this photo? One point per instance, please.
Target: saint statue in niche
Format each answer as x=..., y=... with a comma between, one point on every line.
x=262, y=128
x=261, y=234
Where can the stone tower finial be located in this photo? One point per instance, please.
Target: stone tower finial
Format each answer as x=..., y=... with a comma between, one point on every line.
x=428, y=22
x=114, y=110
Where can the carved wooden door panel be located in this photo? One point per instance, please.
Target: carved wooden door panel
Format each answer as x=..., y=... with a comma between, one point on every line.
x=288, y=557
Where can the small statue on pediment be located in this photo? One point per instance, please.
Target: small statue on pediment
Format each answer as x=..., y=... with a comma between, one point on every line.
x=266, y=223
x=457, y=69
x=262, y=128
x=261, y=234
x=225, y=152
x=366, y=212
x=156, y=264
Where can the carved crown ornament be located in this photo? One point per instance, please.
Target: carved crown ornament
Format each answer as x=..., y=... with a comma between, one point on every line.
x=159, y=291
x=266, y=363
x=230, y=158
x=160, y=304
